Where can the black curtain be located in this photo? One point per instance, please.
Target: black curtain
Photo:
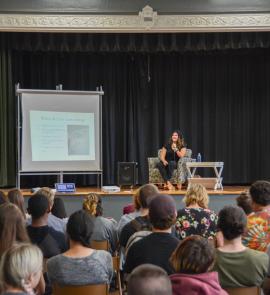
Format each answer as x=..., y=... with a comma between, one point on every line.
x=213, y=87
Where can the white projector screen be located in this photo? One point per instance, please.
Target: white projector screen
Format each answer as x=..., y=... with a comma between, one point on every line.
x=60, y=131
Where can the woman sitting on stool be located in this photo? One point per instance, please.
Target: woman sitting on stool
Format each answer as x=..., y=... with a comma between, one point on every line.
x=169, y=156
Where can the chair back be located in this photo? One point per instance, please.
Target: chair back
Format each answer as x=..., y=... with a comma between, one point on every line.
x=100, y=245
x=244, y=291
x=81, y=290
x=116, y=268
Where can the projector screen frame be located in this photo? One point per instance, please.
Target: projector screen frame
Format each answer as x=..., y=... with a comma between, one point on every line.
x=59, y=173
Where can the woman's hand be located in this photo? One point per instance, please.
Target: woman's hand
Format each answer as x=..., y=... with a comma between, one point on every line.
x=165, y=163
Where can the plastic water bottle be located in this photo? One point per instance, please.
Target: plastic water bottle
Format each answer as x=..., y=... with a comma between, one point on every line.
x=199, y=157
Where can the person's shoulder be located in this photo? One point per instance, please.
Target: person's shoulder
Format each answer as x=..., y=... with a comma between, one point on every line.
x=106, y=221
x=256, y=254
x=101, y=255
x=51, y=262
x=166, y=145
x=127, y=227
x=56, y=234
x=53, y=218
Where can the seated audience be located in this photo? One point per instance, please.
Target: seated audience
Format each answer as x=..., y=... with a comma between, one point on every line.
x=15, y=197
x=193, y=261
x=146, y=193
x=157, y=247
x=21, y=269
x=127, y=217
x=148, y=279
x=56, y=223
x=58, y=209
x=80, y=265
x=257, y=236
x=105, y=228
x=237, y=266
x=244, y=201
x=12, y=227
x=196, y=218
x=50, y=241
x=3, y=198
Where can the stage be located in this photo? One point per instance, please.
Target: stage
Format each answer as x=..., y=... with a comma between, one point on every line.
x=113, y=203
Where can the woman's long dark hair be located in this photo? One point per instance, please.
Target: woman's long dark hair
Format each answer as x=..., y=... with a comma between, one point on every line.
x=180, y=141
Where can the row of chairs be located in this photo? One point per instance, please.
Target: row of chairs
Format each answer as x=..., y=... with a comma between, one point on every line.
x=104, y=289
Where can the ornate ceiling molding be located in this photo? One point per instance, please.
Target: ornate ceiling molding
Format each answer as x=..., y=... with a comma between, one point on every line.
x=147, y=20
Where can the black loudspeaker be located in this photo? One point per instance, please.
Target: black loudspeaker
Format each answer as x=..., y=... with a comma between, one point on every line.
x=127, y=173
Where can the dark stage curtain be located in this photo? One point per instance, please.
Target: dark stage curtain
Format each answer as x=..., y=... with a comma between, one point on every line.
x=135, y=43
x=218, y=95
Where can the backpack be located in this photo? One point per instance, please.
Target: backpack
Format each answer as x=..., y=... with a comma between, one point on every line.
x=140, y=224
x=135, y=238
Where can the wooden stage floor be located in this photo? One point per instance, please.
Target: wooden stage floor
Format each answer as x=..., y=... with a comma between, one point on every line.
x=227, y=190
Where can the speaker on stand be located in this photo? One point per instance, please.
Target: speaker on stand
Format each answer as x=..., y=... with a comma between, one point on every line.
x=127, y=174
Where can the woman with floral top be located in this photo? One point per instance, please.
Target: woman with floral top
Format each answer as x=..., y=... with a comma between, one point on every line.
x=196, y=218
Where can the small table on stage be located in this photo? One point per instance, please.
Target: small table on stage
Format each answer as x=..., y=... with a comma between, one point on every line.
x=216, y=181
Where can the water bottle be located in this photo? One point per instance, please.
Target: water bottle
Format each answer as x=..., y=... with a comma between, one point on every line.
x=199, y=157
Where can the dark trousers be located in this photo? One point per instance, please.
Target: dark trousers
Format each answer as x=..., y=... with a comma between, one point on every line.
x=167, y=171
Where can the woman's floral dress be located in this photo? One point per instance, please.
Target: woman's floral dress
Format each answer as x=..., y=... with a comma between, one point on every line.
x=196, y=221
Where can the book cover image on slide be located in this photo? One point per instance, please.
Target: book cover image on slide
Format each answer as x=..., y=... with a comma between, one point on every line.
x=78, y=140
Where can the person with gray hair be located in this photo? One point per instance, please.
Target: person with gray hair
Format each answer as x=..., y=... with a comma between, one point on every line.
x=149, y=279
x=21, y=269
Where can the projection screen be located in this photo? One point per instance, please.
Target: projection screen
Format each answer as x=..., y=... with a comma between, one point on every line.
x=61, y=131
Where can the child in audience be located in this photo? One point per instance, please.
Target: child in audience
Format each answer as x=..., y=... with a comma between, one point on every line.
x=105, y=228
x=237, y=265
x=21, y=269
x=58, y=209
x=13, y=231
x=56, y=223
x=244, y=201
x=15, y=197
x=196, y=218
x=149, y=279
x=12, y=227
x=127, y=217
x=80, y=265
x=157, y=247
x=146, y=193
x=50, y=241
x=193, y=261
x=257, y=236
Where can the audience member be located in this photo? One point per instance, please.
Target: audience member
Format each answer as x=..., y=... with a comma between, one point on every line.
x=50, y=241
x=105, y=229
x=193, y=261
x=80, y=265
x=15, y=197
x=3, y=198
x=196, y=218
x=244, y=201
x=127, y=217
x=237, y=265
x=12, y=227
x=56, y=223
x=128, y=209
x=257, y=235
x=148, y=279
x=146, y=193
x=21, y=269
x=157, y=247
x=58, y=209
